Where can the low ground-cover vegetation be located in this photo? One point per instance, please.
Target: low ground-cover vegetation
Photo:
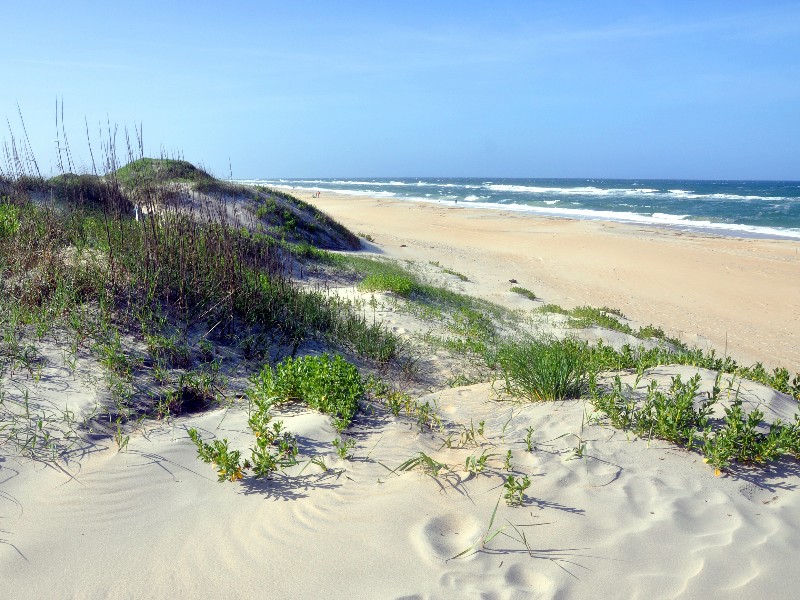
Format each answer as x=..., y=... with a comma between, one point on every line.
x=331, y=386
x=681, y=416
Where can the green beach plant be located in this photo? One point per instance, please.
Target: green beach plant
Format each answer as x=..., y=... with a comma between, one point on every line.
x=476, y=464
x=486, y=538
x=429, y=466
x=460, y=276
x=515, y=489
x=543, y=370
x=331, y=386
x=344, y=448
x=226, y=461
x=530, y=446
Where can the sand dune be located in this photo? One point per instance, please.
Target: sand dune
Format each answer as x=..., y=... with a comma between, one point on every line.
x=628, y=519
x=606, y=515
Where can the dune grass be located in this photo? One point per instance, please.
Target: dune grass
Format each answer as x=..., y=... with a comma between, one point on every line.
x=524, y=292
x=543, y=371
x=151, y=297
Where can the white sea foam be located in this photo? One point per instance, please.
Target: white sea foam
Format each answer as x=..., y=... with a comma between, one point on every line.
x=669, y=217
x=573, y=191
x=684, y=194
x=530, y=189
x=370, y=193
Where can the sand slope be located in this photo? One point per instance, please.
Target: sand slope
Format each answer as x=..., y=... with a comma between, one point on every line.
x=630, y=519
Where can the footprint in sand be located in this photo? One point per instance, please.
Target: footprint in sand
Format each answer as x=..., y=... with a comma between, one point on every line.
x=445, y=536
x=527, y=579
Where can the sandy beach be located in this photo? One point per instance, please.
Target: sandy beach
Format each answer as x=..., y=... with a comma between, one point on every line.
x=738, y=296
x=606, y=515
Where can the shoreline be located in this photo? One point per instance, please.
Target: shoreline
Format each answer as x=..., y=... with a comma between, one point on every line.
x=734, y=230
x=737, y=295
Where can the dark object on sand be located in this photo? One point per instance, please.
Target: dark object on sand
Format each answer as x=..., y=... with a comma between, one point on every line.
x=512, y=281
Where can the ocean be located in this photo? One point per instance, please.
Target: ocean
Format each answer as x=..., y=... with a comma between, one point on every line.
x=738, y=208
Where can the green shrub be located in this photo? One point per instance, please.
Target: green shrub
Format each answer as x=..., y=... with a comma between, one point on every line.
x=331, y=386
x=543, y=370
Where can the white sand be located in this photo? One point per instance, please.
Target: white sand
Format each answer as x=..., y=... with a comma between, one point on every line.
x=630, y=519
x=627, y=520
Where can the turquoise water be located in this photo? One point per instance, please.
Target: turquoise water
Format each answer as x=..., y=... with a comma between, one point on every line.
x=744, y=208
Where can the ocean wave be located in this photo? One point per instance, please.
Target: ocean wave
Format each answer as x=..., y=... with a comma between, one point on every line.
x=572, y=191
x=679, y=221
x=369, y=193
x=669, y=217
x=530, y=189
x=686, y=194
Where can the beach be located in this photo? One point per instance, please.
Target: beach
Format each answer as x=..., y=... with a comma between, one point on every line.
x=422, y=503
x=738, y=296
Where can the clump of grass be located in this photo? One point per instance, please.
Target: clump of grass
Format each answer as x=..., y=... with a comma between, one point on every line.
x=525, y=292
x=461, y=276
x=430, y=466
x=553, y=309
x=388, y=282
x=605, y=317
x=540, y=371
x=9, y=218
x=366, y=236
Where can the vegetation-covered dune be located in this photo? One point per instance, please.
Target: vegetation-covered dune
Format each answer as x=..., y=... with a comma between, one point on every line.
x=155, y=316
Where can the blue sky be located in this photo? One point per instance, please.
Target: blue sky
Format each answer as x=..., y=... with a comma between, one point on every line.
x=340, y=89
